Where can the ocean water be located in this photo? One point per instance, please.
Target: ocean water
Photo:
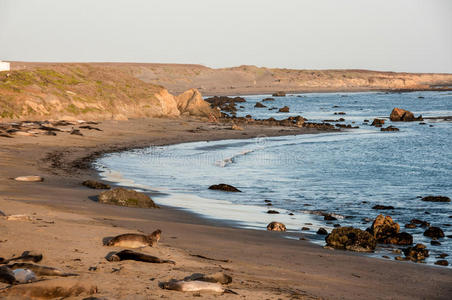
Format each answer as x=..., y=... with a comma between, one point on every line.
x=344, y=173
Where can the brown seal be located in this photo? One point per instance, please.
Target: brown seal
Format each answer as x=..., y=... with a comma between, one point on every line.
x=134, y=240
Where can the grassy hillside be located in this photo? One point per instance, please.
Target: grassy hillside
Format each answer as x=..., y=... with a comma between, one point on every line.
x=77, y=91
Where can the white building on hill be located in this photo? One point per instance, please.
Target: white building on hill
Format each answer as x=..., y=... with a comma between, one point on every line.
x=4, y=66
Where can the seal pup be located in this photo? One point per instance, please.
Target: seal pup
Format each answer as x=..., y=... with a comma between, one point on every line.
x=29, y=178
x=40, y=270
x=194, y=286
x=132, y=255
x=134, y=240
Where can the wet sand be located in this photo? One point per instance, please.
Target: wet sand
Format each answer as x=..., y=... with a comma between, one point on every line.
x=68, y=227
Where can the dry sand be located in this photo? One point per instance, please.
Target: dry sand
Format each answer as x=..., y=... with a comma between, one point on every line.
x=67, y=227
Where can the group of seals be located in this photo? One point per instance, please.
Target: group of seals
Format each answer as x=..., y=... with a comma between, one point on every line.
x=134, y=240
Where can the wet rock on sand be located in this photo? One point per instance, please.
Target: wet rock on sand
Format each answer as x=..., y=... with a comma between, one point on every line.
x=353, y=239
x=96, y=185
x=276, y=226
x=279, y=94
x=416, y=253
x=224, y=187
x=436, y=199
x=125, y=197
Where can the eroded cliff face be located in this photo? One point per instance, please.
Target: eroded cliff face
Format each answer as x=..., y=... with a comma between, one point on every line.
x=84, y=91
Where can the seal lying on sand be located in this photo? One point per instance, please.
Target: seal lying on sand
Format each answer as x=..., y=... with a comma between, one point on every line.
x=6, y=275
x=131, y=255
x=40, y=270
x=134, y=240
x=29, y=178
x=194, y=286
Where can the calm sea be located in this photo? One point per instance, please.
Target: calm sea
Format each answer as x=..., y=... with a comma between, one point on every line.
x=344, y=173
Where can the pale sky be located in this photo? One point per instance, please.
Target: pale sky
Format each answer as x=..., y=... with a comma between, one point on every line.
x=392, y=35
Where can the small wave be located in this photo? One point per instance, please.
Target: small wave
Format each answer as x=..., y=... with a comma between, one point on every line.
x=227, y=161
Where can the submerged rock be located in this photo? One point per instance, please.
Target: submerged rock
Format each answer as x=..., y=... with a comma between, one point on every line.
x=390, y=128
x=272, y=212
x=125, y=197
x=434, y=232
x=378, y=206
x=442, y=262
x=353, y=239
x=436, y=199
x=322, y=231
x=284, y=109
x=401, y=115
x=96, y=185
x=276, y=226
x=268, y=99
x=224, y=187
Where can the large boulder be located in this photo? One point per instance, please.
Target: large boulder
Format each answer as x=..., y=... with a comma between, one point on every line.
x=168, y=103
x=125, y=197
x=353, y=239
x=383, y=228
x=386, y=231
x=276, y=226
x=191, y=102
x=401, y=115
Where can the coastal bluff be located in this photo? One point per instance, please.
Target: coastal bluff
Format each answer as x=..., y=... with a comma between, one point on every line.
x=90, y=92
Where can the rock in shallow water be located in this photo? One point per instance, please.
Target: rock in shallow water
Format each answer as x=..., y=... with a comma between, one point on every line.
x=125, y=197
x=224, y=187
x=442, y=262
x=436, y=199
x=416, y=253
x=434, y=232
x=401, y=115
x=353, y=239
x=322, y=231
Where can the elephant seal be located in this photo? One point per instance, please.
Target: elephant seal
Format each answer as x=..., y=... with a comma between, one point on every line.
x=192, y=286
x=29, y=178
x=40, y=270
x=134, y=240
x=7, y=276
x=132, y=255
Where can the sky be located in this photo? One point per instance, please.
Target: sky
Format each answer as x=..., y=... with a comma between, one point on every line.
x=386, y=35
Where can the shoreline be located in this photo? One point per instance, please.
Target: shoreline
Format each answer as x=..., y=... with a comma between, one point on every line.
x=269, y=259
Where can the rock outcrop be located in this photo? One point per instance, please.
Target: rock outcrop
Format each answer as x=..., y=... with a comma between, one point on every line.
x=386, y=231
x=191, y=103
x=436, y=199
x=125, y=197
x=401, y=115
x=353, y=239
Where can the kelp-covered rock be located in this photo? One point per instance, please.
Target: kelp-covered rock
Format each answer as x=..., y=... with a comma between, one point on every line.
x=353, y=239
x=125, y=197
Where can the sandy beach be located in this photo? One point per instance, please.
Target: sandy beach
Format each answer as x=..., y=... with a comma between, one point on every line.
x=68, y=227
